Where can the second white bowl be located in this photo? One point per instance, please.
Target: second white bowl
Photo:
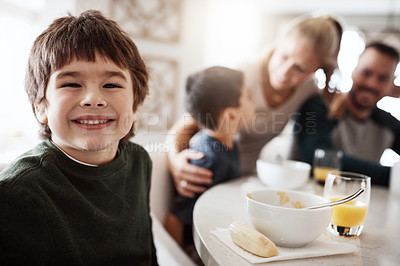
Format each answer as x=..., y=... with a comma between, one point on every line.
x=288, y=174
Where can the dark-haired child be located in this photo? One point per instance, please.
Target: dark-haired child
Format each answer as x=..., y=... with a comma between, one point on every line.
x=81, y=197
x=218, y=99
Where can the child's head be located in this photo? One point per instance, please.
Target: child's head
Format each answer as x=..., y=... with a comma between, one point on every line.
x=211, y=91
x=83, y=38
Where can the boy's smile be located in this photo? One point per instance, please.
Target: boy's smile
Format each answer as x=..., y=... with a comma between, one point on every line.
x=93, y=122
x=89, y=108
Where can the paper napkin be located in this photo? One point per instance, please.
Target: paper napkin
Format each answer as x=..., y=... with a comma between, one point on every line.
x=322, y=246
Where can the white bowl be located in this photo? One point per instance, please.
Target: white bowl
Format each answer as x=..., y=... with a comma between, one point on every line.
x=283, y=224
x=288, y=174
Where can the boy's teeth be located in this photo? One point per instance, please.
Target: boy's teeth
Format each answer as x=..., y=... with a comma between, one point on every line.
x=92, y=122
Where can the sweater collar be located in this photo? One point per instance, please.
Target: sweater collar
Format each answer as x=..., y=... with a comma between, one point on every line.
x=73, y=166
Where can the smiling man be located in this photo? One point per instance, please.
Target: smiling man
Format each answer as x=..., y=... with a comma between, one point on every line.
x=372, y=79
x=353, y=123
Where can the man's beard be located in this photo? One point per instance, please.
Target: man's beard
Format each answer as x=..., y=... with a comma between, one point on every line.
x=356, y=103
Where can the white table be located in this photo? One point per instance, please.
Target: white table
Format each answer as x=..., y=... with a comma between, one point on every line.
x=379, y=243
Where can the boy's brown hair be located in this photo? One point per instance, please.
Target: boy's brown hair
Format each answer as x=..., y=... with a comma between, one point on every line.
x=210, y=91
x=81, y=38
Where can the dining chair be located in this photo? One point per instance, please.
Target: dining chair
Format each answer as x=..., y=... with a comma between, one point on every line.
x=169, y=253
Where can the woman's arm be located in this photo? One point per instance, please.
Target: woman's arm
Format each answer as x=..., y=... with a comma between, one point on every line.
x=179, y=155
x=379, y=174
x=313, y=129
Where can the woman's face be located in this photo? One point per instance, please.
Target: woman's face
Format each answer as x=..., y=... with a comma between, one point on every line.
x=292, y=62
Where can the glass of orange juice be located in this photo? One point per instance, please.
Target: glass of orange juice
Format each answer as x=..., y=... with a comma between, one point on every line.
x=348, y=218
x=324, y=162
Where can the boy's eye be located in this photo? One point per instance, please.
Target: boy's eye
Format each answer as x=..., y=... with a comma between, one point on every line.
x=112, y=85
x=73, y=85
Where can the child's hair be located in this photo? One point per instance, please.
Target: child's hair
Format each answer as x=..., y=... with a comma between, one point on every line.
x=210, y=91
x=81, y=38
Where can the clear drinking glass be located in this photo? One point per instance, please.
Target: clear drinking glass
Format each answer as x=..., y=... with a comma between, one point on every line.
x=348, y=218
x=324, y=162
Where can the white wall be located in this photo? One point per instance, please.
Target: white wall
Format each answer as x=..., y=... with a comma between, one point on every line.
x=197, y=48
x=189, y=51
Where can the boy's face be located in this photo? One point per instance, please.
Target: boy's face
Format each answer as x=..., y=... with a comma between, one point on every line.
x=89, y=108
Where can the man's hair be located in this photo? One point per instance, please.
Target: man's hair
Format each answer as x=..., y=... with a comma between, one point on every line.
x=210, y=91
x=384, y=49
x=81, y=38
x=337, y=107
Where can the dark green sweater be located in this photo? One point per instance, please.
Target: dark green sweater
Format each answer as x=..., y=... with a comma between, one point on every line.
x=55, y=211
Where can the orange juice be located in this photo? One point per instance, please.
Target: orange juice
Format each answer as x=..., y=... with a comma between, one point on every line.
x=321, y=172
x=349, y=214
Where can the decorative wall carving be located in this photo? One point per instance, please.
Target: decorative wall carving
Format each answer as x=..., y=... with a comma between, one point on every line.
x=157, y=20
x=158, y=112
x=390, y=38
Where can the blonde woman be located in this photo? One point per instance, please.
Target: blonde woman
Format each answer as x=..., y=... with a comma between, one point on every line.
x=279, y=83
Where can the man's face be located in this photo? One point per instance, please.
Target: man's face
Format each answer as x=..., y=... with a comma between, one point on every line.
x=372, y=78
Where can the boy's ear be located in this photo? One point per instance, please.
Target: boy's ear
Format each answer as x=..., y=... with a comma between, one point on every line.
x=231, y=113
x=41, y=113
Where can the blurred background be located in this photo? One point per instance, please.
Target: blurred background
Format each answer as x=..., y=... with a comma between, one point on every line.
x=176, y=38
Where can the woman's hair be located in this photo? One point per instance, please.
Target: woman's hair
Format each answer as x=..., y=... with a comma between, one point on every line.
x=81, y=38
x=325, y=34
x=210, y=91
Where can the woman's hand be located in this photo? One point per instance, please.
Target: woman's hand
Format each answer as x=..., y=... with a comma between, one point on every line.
x=188, y=179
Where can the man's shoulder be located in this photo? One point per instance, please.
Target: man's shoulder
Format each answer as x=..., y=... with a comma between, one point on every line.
x=385, y=119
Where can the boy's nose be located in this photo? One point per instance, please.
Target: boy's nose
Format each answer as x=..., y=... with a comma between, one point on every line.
x=93, y=101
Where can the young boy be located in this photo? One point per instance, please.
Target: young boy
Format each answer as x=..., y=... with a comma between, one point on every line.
x=218, y=99
x=81, y=197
